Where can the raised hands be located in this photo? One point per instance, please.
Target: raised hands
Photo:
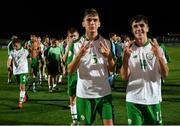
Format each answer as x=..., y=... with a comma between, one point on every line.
x=84, y=48
x=106, y=52
x=127, y=51
x=163, y=66
x=75, y=63
x=156, y=48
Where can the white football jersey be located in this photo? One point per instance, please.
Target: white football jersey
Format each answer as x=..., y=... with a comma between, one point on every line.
x=144, y=85
x=92, y=71
x=20, y=61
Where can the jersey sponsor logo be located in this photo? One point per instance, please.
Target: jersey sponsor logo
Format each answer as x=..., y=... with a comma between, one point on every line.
x=135, y=56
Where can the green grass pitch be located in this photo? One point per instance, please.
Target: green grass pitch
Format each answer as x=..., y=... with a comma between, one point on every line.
x=44, y=108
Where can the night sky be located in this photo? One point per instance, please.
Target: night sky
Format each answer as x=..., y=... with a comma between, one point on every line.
x=53, y=17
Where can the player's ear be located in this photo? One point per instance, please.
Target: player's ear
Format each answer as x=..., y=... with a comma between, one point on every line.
x=147, y=29
x=83, y=24
x=99, y=24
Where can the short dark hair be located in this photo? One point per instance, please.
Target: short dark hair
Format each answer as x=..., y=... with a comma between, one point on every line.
x=72, y=30
x=13, y=37
x=15, y=40
x=138, y=18
x=111, y=34
x=90, y=12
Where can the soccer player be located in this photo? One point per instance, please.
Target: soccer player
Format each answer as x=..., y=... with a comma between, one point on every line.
x=53, y=62
x=10, y=48
x=93, y=61
x=19, y=57
x=143, y=65
x=35, y=52
x=72, y=35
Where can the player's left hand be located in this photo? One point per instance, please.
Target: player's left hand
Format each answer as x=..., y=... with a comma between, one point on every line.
x=106, y=52
x=156, y=48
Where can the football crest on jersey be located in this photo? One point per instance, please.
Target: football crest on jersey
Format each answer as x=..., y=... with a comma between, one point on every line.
x=99, y=50
x=82, y=117
x=149, y=55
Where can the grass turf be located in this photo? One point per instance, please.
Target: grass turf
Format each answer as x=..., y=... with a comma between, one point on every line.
x=44, y=108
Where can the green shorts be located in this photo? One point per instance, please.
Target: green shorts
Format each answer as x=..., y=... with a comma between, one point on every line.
x=72, y=82
x=35, y=65
x=87, y=109
x=139, y=114
x=21, y=78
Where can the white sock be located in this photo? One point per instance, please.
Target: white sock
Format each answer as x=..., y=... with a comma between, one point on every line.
x=74, y=112
x=54, y=85
x=21, y=96
x=45, y=75
x=40, y=75
x=34, y=85
x=60, y=78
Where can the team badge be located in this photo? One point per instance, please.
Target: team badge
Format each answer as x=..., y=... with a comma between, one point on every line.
x=129, y=121
x=82, y=117
x=149, y=56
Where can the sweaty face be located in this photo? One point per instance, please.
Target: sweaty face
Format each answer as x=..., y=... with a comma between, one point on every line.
x=139, y=29
x=91, y=23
